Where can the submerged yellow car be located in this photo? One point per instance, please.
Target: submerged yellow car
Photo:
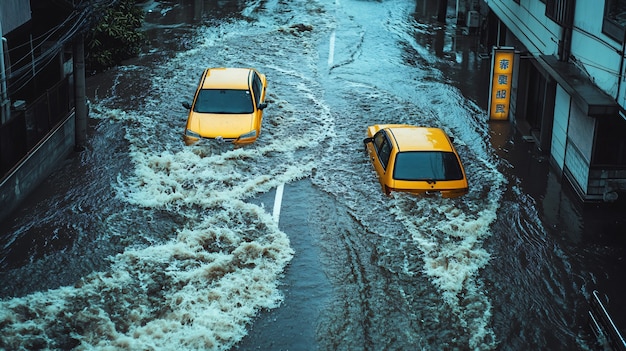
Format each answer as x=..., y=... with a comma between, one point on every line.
x=415, y=159
x=227, y=106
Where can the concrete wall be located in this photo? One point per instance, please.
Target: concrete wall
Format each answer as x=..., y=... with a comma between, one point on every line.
x=581, y=131
x=559, y=127
x=13, y=13
x=579, y=147
x=529, y=24
x=37, y=166
x=595, y=52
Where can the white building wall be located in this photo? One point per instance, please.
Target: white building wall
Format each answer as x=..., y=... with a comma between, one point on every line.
x=597, y=55
x=579, y=146
x=575, y=164
x=580, y=131
x=527, y=21
x=559, y=127
x=13, y=13
x=594, y=52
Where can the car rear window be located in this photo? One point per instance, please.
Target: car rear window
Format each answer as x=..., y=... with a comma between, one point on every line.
x=427, y=165
x=223, y=101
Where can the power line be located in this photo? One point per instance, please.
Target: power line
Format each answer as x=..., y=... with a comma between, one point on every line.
x=84, y=15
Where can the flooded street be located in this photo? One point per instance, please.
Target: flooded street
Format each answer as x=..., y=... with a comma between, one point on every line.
x=141, y=242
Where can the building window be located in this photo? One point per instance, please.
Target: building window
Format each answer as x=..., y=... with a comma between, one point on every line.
x=614, y=19
x=560, y=11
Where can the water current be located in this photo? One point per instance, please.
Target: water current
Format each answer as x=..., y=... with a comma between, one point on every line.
x=158, y=246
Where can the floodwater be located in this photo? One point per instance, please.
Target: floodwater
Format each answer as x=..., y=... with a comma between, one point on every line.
x=139, y=242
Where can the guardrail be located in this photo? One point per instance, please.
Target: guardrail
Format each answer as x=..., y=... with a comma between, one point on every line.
x=603, y=326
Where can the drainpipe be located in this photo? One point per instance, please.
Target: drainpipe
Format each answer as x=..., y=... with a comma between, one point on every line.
x=565, y=46
x=621, y=67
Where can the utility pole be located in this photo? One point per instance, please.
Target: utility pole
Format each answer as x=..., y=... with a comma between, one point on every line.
x=442, y=11
x=79, y=92
x=5, y=104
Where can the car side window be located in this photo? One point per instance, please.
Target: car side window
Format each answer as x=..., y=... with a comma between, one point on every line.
x=383, y=148
x=257, y=85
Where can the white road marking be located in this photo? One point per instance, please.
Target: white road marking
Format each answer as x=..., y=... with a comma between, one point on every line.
x=331, y=49
x=277, y=202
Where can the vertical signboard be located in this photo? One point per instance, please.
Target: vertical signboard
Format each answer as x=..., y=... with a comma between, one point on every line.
x=500, y=85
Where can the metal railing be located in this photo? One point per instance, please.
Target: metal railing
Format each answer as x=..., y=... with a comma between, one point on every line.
x=603, y=326
x=28, y=126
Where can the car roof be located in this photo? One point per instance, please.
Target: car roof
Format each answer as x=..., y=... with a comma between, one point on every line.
x=413, y=138
x=226, y=78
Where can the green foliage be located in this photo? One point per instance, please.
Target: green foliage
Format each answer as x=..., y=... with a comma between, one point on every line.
x=115, y=37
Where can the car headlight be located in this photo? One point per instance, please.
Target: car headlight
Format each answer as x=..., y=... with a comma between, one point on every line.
x=248, y=135
x=191, y=133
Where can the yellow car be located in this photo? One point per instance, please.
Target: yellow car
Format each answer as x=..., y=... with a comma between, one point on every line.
x=417, y=160
x=227, y=106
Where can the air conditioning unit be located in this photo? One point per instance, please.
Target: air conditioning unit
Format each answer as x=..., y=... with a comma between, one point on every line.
x=473, y=19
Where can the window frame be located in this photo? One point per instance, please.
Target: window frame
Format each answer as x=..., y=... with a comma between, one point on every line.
x=442, y=166
x=560, y=11
x=610, y=27
x=201, y=105
x=379, y=148
x=257, y=88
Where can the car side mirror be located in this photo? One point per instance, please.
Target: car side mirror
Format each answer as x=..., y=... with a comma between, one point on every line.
x=367, y=140
x=186, y=105
x=262, y=106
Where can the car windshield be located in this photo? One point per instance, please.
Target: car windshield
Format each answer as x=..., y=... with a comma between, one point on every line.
x=224, y=101
x=427, y=165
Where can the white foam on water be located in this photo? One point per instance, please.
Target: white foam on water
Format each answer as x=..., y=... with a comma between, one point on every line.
x=197, y=291
x=201, y=287
x=449, y=233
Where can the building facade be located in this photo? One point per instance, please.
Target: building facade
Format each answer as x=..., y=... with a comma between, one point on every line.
x=41, y=92
x=569, y=88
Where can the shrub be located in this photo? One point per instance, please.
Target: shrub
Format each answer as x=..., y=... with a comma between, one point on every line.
x=115, y=36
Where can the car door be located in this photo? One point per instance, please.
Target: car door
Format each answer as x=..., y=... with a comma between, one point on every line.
x=380, y=159
x=259, y=94
x=259, y=87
